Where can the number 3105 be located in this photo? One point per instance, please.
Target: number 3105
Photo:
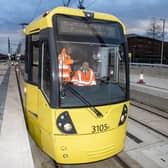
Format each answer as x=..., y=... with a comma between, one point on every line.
x=99, y=128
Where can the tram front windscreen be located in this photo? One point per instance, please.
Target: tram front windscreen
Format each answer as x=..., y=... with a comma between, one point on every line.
x=96, y=71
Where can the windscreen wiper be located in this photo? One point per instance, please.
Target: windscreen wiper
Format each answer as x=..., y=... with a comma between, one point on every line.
x=74, y=92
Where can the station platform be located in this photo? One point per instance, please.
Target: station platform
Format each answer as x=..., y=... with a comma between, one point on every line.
x=154, y=91
x=15, y=148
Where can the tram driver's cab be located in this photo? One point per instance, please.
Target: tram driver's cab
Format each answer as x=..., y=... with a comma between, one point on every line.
x=102, y=45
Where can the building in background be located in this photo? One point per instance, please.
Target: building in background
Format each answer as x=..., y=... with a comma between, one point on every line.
x=3, y=57
x=146, y=50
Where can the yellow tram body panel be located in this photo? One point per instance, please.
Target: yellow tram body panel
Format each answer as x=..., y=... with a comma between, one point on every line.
x=73, y=149
x=87, y=145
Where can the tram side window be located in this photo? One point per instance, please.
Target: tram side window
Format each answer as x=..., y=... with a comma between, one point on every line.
x=35, y=58
x=45, y=72
x=26, y=58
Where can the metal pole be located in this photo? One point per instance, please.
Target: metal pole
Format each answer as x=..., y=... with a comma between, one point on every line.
x=162, y=47
x=9, y=46
x=81, y=4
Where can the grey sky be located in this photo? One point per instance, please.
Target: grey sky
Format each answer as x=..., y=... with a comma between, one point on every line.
x=136, y=15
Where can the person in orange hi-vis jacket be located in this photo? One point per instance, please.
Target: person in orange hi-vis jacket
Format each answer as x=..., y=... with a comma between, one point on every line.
x=64, y=62
x=84, y=76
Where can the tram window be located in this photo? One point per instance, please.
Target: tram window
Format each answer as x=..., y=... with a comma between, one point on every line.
x=108, y=64
x=26, y=57
x=35, y=58
x=45, y=71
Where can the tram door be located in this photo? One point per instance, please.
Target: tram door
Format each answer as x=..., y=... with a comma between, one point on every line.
x=32, y=75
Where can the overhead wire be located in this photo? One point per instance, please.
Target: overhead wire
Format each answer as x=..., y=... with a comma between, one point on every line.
x=90, y=4
x=80, y=3
x=81, y=6
x=75, y=2
x=66, y=3
x=36, y=10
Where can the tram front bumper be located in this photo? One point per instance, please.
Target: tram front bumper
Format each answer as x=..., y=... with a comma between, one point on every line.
x=74, y=149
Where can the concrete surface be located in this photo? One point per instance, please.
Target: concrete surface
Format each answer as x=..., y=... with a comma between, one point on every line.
x=152, y=152
x=153, y=70
x=3, y=91
x=153, y=76
x=15, y=149
x=155, y=90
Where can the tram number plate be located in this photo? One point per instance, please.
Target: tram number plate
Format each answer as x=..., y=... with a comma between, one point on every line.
x=99, y=128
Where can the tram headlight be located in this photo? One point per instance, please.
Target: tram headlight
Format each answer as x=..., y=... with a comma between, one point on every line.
x=68, y=127
x=123, y=115
x=64, y=123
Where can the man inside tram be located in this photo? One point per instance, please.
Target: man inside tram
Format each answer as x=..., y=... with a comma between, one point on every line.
x=84, y=76
x=65, y=61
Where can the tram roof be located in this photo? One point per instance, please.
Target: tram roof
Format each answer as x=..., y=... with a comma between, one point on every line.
x=45, y=21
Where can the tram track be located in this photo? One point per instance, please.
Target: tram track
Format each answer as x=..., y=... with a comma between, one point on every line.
x=134, y=138
x=153, y=111
x=121, y=162
x=148, y=109
x=116, y=161
x=151, y=128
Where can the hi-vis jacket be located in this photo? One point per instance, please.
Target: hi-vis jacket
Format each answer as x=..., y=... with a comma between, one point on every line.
x=81, y=78
x=64, y=62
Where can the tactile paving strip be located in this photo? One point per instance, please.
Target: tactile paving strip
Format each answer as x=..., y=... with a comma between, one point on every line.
x=3, y=93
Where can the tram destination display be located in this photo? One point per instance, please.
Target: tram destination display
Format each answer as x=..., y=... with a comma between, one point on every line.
x=82, y=27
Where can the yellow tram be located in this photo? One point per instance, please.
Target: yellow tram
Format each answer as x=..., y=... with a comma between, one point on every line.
x=76, y=123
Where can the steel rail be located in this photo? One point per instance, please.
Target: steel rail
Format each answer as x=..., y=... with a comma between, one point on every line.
x=145, y=125
x=150, y=111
